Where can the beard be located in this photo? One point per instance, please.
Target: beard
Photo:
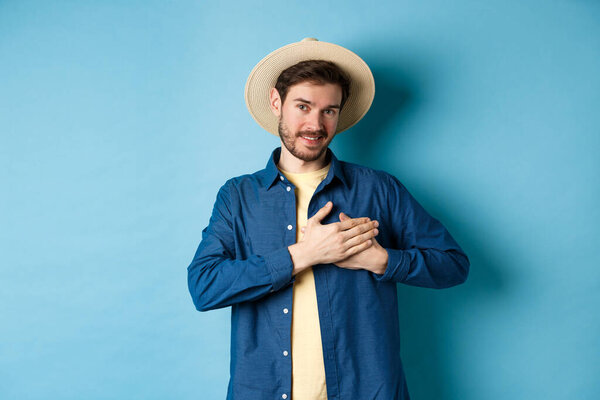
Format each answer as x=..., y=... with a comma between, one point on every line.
x=289, y=141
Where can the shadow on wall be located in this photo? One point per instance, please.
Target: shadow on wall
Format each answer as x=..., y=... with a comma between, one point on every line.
x=427, y=317
x=394, y=99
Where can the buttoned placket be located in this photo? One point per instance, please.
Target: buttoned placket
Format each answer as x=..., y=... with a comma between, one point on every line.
x=290, y=239
x=331, y=373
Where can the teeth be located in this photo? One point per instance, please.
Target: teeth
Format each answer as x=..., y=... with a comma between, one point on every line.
x=310, y=138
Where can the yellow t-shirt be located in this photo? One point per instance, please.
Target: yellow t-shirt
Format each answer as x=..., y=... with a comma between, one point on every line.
x=308, y=368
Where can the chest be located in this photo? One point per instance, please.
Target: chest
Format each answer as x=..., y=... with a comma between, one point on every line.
x=267, y=220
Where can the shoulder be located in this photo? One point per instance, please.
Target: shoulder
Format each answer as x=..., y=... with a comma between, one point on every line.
x=380, y=184
x=245, y=180
x=243, y=185
x=360, y=175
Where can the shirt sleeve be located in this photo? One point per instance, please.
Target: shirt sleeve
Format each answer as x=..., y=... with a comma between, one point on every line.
x=217, y=279
x=423, y=253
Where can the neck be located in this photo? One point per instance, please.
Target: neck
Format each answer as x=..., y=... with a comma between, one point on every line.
x=290, y=163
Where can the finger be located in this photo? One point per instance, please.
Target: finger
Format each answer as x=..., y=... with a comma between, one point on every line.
x=343, y=217
x=303, y=229
x=352, y=222
x=358, y=239
x=322, y=213
x=358, y=248
x=358, y=230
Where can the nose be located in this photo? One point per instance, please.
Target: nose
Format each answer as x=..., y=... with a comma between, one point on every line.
x=313, y=122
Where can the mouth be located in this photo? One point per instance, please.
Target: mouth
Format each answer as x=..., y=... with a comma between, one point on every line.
x=312, y=140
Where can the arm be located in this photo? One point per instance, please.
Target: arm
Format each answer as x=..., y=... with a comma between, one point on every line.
x=216, y=279
x=424, y=253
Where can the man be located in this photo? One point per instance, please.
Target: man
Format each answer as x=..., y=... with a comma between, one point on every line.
x=308, y=251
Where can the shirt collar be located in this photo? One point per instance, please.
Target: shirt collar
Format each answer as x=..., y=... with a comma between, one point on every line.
x=271, y=173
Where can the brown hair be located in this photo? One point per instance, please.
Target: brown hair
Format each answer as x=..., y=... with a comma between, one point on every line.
x=318, y=72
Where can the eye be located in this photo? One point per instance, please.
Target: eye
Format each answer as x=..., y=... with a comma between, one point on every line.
x=329, y=112
x=302, y=107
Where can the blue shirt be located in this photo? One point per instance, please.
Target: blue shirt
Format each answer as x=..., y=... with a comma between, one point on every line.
x=243, y=262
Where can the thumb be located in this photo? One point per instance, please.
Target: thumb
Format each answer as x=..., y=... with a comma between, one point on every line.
x=322, y=213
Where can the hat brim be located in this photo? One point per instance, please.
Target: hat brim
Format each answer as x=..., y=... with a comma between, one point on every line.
x=264, y=76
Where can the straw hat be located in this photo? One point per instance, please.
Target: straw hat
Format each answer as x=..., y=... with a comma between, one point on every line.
x=264, y=76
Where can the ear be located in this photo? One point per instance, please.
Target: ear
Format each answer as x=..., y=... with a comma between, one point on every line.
x=275, y=102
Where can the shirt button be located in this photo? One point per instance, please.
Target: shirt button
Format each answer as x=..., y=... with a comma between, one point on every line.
x=290, y=227
x=285, y=353
x=281, y=177
x=288, y=188
x=285, y=311
x=284, y=396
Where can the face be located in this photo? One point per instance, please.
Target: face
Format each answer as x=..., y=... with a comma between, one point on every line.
x=308, y=118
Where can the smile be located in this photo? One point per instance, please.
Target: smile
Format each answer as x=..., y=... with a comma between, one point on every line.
x=312, y=141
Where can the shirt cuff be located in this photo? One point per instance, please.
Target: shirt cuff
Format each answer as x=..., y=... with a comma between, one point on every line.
x=279, y=263
x=397, y=267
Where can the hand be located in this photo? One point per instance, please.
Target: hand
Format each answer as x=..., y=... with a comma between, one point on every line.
x=374, y=258
x=329, y=243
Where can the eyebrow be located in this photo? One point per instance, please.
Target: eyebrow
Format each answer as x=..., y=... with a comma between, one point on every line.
x=311, y=103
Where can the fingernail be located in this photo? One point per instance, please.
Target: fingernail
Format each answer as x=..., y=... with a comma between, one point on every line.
x=376, y=224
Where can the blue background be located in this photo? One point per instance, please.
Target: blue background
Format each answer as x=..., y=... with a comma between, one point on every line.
x=119, y=121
